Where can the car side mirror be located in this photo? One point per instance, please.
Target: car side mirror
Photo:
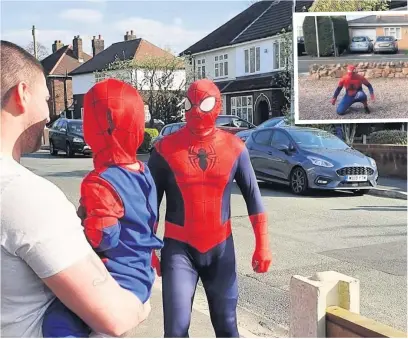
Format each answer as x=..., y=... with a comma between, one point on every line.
x=284, y=148
x=63, y=130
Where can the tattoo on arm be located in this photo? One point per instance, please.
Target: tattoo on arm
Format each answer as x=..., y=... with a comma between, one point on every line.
x=102, y=273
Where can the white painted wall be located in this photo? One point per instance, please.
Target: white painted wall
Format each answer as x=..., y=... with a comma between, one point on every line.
x=82, y=83
x=179, y=80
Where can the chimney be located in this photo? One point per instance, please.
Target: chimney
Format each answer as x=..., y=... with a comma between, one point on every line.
x=130, y=36
x=57, y=45
x=77, y=48
x=98, y=45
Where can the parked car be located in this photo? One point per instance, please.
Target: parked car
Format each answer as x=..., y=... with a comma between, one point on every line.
x=362, y=44
x=233, y=124
x=273, y=122
x=386, y=44
x=309, y=158
x=67, y=135
x=166, y=130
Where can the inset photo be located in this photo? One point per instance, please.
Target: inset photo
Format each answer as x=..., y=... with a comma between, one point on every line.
x=351, y=67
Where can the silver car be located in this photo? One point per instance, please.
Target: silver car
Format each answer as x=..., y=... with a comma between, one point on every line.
x=362, y=44
x=386, y=44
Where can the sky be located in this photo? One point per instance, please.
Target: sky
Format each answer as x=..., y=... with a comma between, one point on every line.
x=167, y=24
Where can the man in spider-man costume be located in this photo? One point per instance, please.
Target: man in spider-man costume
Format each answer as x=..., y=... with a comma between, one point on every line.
x=118, y=198
x=353, y=83
x=196, y=167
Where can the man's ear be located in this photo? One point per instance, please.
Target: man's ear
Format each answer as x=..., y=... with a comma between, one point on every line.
x=22, y=96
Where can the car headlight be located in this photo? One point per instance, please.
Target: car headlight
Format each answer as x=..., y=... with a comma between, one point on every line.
x=320, y=162
x=78, y=139
x=372, y=162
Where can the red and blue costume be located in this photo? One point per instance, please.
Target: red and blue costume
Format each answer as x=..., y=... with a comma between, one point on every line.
x=353, y=84
x=119, y=198
x=196, y=168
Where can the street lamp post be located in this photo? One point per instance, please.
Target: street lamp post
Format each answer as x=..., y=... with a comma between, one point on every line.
x=34, y=42
x=317, y=38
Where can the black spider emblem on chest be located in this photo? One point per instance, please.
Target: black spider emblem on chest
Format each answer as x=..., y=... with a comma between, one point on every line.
x=201, y=158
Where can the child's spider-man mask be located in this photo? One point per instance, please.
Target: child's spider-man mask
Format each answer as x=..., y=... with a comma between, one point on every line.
x=203, y=105
x=351, y=70
x=113, y=122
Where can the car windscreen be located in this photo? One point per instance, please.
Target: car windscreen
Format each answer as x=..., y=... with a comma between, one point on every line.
x=385, y=38
x=76, y=127
x=359, y=39
x=317, y=139
x=270, y=123
x=223, y=121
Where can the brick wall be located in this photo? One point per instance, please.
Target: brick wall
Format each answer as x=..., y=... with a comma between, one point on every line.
x=57, y=100
x=391, y=159
x=392, y=69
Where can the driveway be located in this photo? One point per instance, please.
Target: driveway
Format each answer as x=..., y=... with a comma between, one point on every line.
x=304, y=62
x=315, y=95
x=364, y=237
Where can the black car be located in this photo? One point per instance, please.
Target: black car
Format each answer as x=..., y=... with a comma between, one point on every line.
x=167, y=130
x=67, y=135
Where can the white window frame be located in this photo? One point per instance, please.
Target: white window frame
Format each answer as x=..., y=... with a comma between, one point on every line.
x=243, y=107
x=221, y=66
x=299, y=32
x=257, y=60
x=278, y=54
x=201, y=73
x=393, y=31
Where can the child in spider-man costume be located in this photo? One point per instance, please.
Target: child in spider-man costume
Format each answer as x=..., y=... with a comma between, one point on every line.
x=353, y=83
x=196, y=167
x=118, y=197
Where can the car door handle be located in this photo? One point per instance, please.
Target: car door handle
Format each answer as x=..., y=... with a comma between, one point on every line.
x=269, y=152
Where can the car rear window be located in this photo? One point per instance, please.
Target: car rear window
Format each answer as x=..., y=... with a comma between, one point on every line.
x=385, y=38
x=359, y=39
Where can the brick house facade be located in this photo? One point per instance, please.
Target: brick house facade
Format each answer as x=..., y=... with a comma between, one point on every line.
x=57, y=66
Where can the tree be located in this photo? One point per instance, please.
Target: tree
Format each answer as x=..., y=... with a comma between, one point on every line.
x=42, y=51
x=159, y=81
x=349, y=5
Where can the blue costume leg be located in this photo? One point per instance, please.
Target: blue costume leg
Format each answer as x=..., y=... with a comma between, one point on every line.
x=344, y=104
x=60, y=322
x=179, y=281
x=220, y=283
x=361, y=97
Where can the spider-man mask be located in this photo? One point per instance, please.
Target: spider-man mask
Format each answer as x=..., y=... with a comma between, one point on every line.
x=113, y=122
x=203, y=105
x=351, y=70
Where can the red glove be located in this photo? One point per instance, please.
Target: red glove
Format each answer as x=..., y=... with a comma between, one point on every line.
x=372, y=96
x=156, y=263
x=333, y=101
x=262, y=258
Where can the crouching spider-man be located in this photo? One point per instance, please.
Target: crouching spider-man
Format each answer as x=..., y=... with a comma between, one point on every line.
x=353, y=83
x=196, y=167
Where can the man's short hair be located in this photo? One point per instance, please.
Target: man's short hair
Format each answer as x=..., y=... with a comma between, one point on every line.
x=16, y=65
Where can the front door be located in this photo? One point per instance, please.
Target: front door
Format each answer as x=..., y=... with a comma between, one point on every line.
x=263, y=111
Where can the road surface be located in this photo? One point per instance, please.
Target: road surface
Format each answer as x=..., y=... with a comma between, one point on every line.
x=364, y=237
x=305, y=62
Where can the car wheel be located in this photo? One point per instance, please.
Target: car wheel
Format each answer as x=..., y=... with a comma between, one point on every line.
x=68, y=151
x=53, y=151
x=298, y=181
x=360, y=192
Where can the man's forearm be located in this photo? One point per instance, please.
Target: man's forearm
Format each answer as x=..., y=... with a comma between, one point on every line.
x=89, y=291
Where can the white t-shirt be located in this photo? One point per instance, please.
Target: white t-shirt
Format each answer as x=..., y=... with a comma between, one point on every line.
x=41, y=235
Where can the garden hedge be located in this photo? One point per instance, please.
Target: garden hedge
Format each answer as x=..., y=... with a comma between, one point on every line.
x=149, y=135
x=389, y=137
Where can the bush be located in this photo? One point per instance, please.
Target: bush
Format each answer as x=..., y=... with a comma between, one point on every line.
x=149, y=134
x=325, y=31
x=389, y=137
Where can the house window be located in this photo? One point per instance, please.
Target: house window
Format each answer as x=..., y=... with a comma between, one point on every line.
x=393, y=31
x=279, y=58
x=242, y=107
x=201, y=68
x=221, y=65
x=99, y=76
x=252, y=59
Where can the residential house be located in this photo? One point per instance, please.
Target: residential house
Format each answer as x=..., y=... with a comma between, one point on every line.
x=63, y=60
x=392, y=23
x=132, y=48
x=244, y=57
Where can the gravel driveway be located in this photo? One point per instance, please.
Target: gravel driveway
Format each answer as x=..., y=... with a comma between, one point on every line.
x=391, y=100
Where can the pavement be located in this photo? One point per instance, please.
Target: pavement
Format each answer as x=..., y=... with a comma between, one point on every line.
x=304, y=62
x=314, y=97
x=363, y=237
